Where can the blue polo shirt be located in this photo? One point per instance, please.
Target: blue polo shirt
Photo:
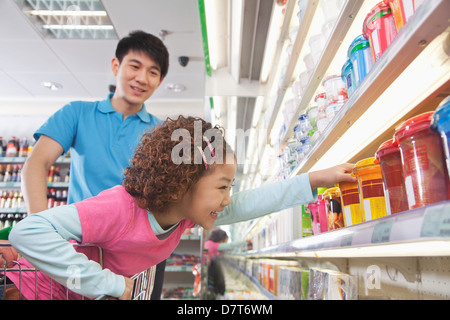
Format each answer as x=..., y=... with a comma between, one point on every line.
x=100, y=142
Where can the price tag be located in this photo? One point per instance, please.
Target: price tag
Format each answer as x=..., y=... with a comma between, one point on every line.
x=382, y=231
x=436, y=222
x=346, y=241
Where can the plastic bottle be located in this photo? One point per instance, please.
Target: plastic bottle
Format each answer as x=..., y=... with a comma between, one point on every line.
x=321, y=211
x=12, y=148
x=23, y=149
x=8, y=173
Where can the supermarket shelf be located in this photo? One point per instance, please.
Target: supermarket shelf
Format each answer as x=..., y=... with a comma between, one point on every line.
x=190, y=237
x=49, y=184
x=346, y=18
x=178, y=269
x=405, y=48
x=13, y=210
x=423, y=232
x=23, y=159
x=228, y=264
x=299, y=42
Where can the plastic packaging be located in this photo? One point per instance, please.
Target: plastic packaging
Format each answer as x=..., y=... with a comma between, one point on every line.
x=348, y=77
x=335, y=219
x=289, y=110
x=321, y=100
x=327, y=284
x=332, y=109
x=316, y=44
x=402, y=10
x=423, y=162
x=441, y=124
x=321, y=211
x=370, y=186
x=312, y=206
x=322, y=120
x=312, y=115
x=309, y=64
x=390, y=160
x=360, y=55
x=331, y=9
x=350, y=203
x=379, y=28
x=335, y=89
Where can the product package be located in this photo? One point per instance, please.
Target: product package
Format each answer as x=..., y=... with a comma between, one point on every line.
x=292, y=283
x=331, y=285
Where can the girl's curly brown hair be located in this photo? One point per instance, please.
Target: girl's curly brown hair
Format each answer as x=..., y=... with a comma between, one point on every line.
x=155, y=175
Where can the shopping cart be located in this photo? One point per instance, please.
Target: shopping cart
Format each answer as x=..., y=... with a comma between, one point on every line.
x=142, y=288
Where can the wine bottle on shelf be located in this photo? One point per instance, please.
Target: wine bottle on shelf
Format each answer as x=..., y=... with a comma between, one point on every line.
x=8, y=173
x=23, y=148
x=12, y=148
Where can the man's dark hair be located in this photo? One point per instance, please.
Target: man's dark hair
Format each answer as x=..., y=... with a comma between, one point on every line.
x=146, y=43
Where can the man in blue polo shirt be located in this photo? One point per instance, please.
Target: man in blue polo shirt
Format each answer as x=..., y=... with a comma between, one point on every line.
x=101, y=135
x=101, y=143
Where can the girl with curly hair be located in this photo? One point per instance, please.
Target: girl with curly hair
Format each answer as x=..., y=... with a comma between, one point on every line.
x=180, y=176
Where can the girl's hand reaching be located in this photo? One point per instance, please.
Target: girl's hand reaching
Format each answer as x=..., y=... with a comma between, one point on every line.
x=329, y=177
x=128, y=289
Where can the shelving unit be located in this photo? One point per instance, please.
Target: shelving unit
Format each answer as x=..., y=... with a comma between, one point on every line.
x=21, y=212
x=411, y=250
x=181, y=276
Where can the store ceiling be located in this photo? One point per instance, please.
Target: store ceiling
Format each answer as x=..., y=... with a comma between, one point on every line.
x=82, y=67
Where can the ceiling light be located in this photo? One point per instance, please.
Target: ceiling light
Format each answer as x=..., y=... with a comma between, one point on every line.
x=77, y=27
x=54, y=86
x=69, y=19
x=175, y=87
x=66, y=13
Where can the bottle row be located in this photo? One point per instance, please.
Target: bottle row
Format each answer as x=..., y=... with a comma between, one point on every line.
x=285, y=280
x=8, y=220
x=15, y=147
x=409, y=171
x=380, y=28
x=13, y=173
x=14, y=199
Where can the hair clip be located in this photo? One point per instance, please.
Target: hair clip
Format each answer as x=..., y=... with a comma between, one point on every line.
x=213, y=154
x=211, y=149
x=203, y=156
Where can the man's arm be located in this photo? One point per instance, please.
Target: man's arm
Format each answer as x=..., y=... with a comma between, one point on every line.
x=34, y=173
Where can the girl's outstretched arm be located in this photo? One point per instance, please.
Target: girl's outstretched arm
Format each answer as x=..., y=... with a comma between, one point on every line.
x=273, y=197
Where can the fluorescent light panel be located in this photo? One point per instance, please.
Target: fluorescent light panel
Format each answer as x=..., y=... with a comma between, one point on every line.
x=65, y=13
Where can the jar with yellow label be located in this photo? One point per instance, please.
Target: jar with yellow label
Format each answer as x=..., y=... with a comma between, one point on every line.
x=370, y=186
x=350, y=203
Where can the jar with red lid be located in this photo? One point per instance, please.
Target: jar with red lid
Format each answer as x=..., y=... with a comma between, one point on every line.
x=379, y=28
x=390, y=160
x=423, y=162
